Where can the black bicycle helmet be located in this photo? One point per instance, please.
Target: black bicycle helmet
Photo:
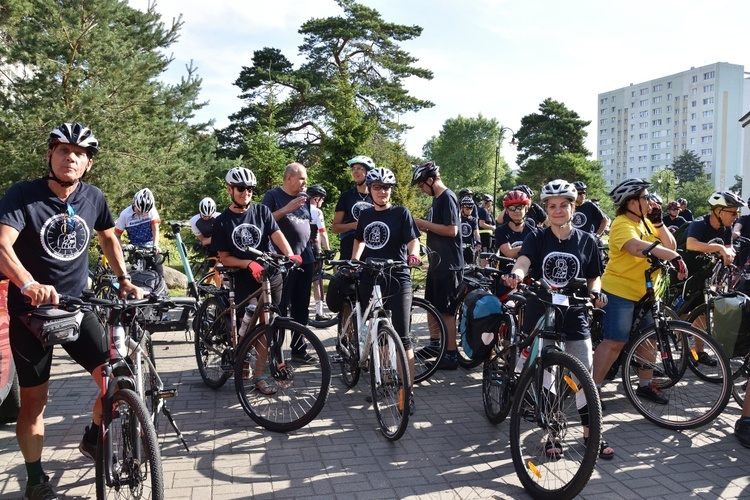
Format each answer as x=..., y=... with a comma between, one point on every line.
x=627, y=189
x=526, y=189
x=74, y=133
x=580, y=186
x=316, y=191
x=424, y=172
x=465, y=192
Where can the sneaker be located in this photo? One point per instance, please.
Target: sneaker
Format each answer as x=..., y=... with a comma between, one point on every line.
x=742, y=431
x=448, y=362
x=323, y=317
x=652, y=393
x=705, y=359
x=41, y=491
x=304, y=358
x=86, y=448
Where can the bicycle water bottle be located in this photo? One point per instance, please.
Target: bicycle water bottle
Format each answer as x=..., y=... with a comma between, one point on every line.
x=249, y=311
x=118, y=348
x=677, y=302
x=522, y=360
x=362, y=337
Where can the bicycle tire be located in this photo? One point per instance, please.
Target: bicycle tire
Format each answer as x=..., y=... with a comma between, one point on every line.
x=692, y=401
x=545, y=475
x=213, y=342
x=332, y=318
x=464, y=361
x=499, y=378
x=135, y=449
x=105, y=290
x=348, y=344
x=301, y=388
x=425, y=322
x=390, y=394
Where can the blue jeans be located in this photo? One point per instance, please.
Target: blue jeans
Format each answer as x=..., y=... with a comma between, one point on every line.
x=618, y=318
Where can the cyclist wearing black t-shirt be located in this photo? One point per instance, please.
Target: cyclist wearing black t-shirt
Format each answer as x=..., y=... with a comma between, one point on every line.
x=45, y=229
x=351, y=203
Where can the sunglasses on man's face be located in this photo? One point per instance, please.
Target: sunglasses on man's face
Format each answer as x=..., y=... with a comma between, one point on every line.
x=242, y=189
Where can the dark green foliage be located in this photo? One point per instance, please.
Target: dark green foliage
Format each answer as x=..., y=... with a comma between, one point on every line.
x=687, y=167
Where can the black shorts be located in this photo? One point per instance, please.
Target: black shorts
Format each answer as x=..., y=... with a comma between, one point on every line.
x=441, y=289
x=33, y=362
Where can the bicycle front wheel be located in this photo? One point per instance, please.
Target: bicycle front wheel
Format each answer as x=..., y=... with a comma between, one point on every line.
x=688, y=400
x=133, y=470
x=551, y=456
x=348, y=344
x=499, y=378
x=149, y=390
x=213, y=343
x=389, y=382
x=428, y=335
x=279, y=385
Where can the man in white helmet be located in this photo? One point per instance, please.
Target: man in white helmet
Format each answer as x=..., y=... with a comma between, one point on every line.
x=141, y=221
x=351, y=203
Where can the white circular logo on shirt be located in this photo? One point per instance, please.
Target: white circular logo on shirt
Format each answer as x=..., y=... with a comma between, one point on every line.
x=65, y=238
x=560, y=267
x=465, y=229
x=359, y=207
x=246, y=235
x=579, y=220
x=377, y=235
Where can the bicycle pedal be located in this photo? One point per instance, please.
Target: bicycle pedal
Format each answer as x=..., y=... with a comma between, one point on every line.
x=336, y=358
x=169, y=393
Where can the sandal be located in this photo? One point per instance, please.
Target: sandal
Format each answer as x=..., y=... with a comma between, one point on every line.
x=265, y=386
x=605, y=450
x=553, y=449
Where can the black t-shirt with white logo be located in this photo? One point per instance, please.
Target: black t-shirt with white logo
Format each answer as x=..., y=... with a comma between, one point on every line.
x=559, y=262
x=468, y=226
x=445, y=211
x=53, y=240
x=351, y=203
x=234, y=232
x=505, y=234
x=588, y=217
x=295, y=225
x=385, y=234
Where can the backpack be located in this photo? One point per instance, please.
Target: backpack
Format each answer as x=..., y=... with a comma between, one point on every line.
x=481, y=316
x=732, y=323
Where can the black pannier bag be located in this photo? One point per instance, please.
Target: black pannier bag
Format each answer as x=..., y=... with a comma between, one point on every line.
x=731, y=325
x=482, y=314
x=340, y=286
x=54, y=326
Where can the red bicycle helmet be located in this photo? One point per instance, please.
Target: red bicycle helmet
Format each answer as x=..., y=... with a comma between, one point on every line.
x=516, y=197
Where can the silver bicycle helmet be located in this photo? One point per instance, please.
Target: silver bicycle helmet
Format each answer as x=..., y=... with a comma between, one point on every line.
x=207, y=207
x=143, y=200
x=240, y=176
x=559, y=187
x=627, y=189
x=725, y=199
x=380, y=175
x=74, y=133
x=362, y=160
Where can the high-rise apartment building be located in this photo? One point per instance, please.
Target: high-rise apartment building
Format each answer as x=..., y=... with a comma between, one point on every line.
x=642, y=128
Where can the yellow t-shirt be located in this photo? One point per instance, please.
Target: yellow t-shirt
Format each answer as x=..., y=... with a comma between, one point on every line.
x=623, y=275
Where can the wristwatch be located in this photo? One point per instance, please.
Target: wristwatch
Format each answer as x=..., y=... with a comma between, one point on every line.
x=124, y=277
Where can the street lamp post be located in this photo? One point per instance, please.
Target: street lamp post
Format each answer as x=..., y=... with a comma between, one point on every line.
x=500, y=138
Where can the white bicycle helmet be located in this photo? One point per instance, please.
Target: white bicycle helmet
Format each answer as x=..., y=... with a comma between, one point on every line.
x=380, y=175
x=559, y=187
x=74, y=133
x=143, y=200
x=240, y=176
x=362, y=160
x=726, y=199
x=207, y=207
x=627, y=189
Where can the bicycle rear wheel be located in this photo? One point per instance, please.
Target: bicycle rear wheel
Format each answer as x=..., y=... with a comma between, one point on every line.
x=428, y=335
x=293, y=391
x=550, y=455
x=135, y=468
x=212, y=343
x=348, y=344
x=389, y=382
x=499, y=378
x=692, y=400
x=320, y=282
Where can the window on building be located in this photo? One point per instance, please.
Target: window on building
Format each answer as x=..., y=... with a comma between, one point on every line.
x=695, y=78
x=692, y=128
x=707, y=152
x=708, y=113
x=692, y=116
x=669, y=85
x=656, y=111
x=693, y=104
x=707, y=139
x=708, y=126
x=669, y=120
x=708, y=76
x=656, y=100
x=643, y=102
x=708, y=100
x=644, y=91
x=708, y=88
x=643, y=114
x=668, y=156
x=657, y=87
x=656, y=123
x=603, y=100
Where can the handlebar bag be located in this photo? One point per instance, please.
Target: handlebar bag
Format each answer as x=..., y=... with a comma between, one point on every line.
x=340, y=286
x=482, y=314
x=150, y=281
x=54, y=326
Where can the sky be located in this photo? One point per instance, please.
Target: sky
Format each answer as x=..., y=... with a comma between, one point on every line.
x=500, y=58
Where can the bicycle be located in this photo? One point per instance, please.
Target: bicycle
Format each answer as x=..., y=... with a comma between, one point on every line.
x=427, y=334
x=554, y=398
x=320, y=284
x=366, y=339
x=666, y=348
x=249, y=353
x=127, y=460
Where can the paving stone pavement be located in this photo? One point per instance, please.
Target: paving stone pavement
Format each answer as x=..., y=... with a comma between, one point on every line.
x=450, y=451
